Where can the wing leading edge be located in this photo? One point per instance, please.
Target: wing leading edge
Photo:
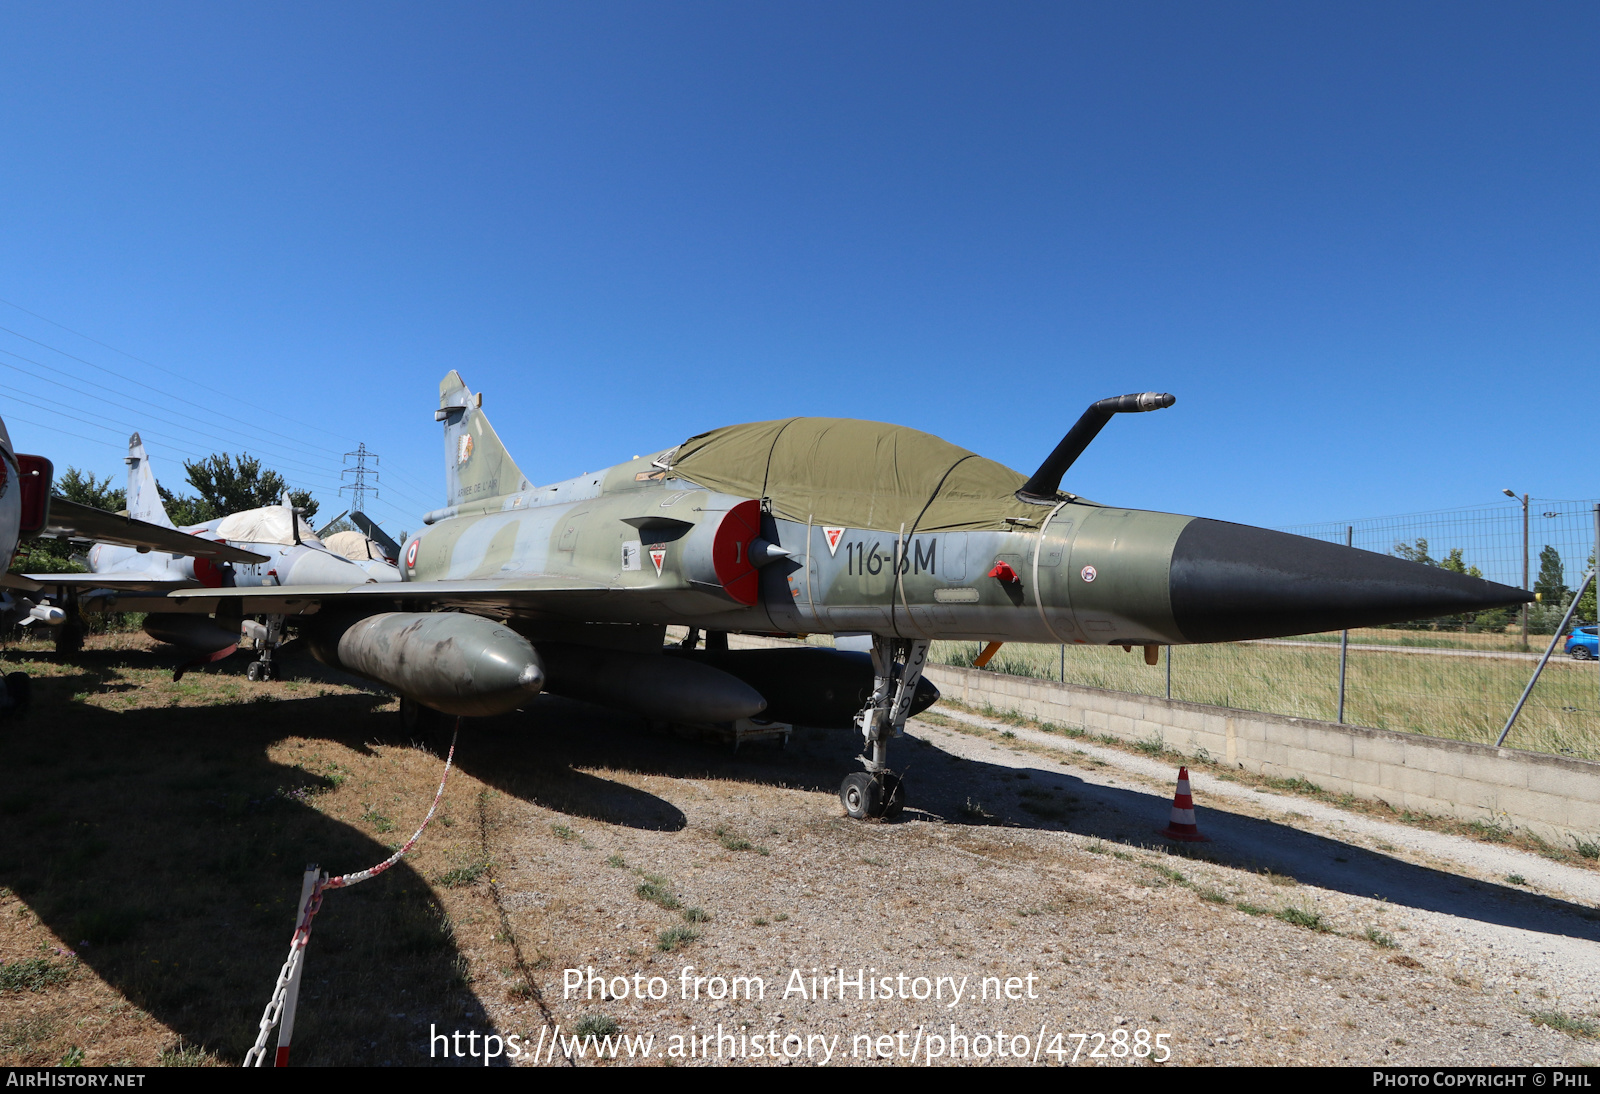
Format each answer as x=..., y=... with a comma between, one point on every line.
x=71, y=520
x=547, y=595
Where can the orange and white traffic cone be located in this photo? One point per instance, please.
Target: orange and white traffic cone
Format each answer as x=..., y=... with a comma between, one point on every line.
x=1182, y=826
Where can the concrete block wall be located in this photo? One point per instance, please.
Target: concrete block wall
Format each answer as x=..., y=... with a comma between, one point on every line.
x=1556, y=797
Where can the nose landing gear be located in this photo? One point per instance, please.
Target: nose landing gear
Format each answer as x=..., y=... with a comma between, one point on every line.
x=266, y=638
x=877, y=792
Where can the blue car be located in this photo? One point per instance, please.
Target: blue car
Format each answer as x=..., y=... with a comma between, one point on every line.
x=1584, y=643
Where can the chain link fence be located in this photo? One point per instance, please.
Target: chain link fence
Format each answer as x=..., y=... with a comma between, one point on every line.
x=1455, y=677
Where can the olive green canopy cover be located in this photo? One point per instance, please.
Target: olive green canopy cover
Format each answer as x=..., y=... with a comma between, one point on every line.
x=854, y=474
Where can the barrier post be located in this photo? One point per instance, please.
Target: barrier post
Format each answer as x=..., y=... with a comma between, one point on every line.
x=302, y=932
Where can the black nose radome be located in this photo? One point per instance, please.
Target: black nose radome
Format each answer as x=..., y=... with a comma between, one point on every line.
x=1231, y=582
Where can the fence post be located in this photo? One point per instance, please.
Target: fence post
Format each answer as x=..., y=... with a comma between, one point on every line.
x=1169, y=672
x=1588, y=577
x=291, y=998
x=1344, y=638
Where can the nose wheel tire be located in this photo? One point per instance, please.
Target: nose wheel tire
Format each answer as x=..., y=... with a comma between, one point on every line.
x=867, y=796
x=861, y=795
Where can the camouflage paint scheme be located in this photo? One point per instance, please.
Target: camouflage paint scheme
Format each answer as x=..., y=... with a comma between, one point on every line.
x=608, y=529
x=800, y=526
x=612, y=557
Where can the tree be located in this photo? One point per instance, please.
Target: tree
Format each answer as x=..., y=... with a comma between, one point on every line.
x=184, y=510
x=1417, y=552
x=232, y=484
x=54, y=556
x=1455, y=561
x=85, y=489
x=1586, y=603
x=1456, y=564
x=1551, y=585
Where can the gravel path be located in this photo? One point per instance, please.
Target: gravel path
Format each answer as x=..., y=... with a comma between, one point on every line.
x=1027, y=864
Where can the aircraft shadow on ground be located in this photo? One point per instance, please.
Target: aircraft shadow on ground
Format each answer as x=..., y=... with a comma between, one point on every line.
x=1250, y=843
x=167, y=850
x=160, y=837
x=951, y=789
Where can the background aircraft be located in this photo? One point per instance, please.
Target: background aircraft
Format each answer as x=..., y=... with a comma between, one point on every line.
x=28, y=510
x=281, y=549
x=801, y=526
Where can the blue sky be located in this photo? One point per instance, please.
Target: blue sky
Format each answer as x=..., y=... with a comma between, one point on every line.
x=1358, y=242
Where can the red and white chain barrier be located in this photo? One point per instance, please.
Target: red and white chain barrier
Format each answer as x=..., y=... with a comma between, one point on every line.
x=280, y=1009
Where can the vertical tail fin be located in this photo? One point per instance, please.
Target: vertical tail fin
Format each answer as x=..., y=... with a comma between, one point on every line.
x=144, y=500
x=476, y=464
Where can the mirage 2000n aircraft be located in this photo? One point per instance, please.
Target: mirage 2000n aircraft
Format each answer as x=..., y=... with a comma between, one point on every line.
x=802, y=526
x=278, y=548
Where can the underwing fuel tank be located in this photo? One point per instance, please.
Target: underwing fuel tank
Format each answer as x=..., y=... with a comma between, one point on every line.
x=194, y=632
x=654, y=685
x=453, y=662
x=820, y=688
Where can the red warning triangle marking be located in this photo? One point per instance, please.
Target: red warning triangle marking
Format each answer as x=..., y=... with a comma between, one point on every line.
x=833, y=536
x=658, y=557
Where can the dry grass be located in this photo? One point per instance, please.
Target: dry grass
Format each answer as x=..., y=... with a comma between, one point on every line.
x=168, y=826
x=1465, y=698
x=155, y=838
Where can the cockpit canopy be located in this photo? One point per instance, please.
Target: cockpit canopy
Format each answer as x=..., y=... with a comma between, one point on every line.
x=269, y=524
x=855, y=474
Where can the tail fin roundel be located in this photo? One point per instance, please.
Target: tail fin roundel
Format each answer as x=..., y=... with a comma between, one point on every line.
x=476, y=464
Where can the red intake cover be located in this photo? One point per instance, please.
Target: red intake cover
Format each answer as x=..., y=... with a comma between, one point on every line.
x=208, y=573
x=730, y=552
x=36, y=475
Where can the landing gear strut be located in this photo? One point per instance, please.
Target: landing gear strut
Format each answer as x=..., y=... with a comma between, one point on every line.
x=69, y=633
x=896, y=669
x=266, y=639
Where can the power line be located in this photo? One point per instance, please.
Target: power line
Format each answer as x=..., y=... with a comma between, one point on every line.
x=141, y=383
x=131, y=357
x=268, y=448
x=416, y=493
x=144, y=402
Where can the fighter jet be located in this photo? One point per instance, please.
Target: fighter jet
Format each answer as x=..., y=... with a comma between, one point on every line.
x=279, y=548
x=805, y=526
x=27, y=510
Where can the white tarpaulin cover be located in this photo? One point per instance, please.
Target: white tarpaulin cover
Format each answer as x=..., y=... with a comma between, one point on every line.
x=354, y=546
x=269, y=524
